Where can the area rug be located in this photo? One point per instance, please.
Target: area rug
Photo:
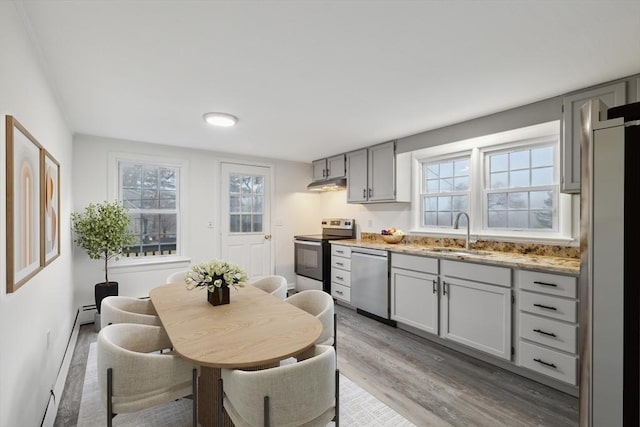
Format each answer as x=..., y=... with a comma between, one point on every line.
x=357, y=407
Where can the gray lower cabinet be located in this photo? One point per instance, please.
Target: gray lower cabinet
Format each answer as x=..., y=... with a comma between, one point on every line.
x=475, y=306
x=414, y=292
x=341, y=273
x=463, y=302
x=548, y=324
x=612, y=95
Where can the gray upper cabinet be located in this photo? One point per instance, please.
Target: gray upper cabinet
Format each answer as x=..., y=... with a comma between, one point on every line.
x=332, y=167
x=357, y=183
x=612, y=95
x=372, y=175
x=336, y=166
x=319, y=169
x=382, y=172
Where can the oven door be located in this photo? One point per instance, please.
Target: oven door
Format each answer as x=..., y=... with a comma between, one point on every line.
x=308, y=259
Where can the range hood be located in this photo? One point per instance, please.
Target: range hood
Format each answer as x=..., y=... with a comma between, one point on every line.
x=333, y=184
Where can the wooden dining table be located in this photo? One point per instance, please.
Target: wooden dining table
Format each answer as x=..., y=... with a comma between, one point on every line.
x=255, y=330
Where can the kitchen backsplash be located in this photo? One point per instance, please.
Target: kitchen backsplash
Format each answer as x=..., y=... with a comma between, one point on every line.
x=521, y=248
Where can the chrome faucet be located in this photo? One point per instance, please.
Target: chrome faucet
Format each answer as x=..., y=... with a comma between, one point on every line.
x=456, y=224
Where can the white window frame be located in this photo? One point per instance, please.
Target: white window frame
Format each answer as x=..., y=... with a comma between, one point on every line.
x=442, y=159
x=113, y=192
x=536, y=134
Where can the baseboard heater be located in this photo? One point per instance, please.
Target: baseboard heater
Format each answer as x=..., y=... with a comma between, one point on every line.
x=55, y=394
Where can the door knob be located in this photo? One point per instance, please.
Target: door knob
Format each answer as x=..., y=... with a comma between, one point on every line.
x=267, y=236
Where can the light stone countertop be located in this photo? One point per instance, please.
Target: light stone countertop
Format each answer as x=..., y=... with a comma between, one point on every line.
x=547, y=264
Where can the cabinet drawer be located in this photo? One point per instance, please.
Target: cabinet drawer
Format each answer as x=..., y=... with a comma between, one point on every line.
x=477, y=272
x=553, y=284
x=341, y=277
x=340, y=250
x=415, y=263
x=341, y=292
x=548, y=332
x=550, y=306
x=341, y=262
x=549, y=362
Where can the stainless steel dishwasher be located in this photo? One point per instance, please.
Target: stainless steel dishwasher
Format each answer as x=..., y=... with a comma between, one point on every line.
x=370, y=283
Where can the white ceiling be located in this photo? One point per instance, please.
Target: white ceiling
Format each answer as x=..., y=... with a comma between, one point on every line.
x=314, y=78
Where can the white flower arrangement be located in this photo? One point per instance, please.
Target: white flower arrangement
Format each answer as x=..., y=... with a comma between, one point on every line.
x=215, y=274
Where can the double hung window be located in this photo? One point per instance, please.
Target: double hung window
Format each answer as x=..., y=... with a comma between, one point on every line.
x=151, y=193
x=520, y=189
x=507, y=183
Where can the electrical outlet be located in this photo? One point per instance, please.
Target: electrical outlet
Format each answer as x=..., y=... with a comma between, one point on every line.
x=210, y=224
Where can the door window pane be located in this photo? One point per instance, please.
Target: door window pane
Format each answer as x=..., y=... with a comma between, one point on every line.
x=246, y=196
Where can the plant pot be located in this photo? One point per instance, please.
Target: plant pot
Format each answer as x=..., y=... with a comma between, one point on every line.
x=103, y=290
x=219, y=296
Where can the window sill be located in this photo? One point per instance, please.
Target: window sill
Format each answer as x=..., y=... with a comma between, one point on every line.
x=165, y=261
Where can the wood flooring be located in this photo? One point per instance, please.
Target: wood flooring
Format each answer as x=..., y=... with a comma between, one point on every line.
x=427, y=383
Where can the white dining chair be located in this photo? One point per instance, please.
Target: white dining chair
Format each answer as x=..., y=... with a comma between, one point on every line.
x=274, y=285
x=319, y=304
x=305, y=393
x=133, y=376
x=124, y=309
x=177, y=277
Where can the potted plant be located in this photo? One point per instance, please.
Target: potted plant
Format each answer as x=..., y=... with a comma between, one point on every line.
x=217, y=277
x=102, y=230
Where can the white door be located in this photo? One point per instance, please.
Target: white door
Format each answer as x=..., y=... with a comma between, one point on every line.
x=245, y=216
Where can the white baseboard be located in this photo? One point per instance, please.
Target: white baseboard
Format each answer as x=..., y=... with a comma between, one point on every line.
x=56, y=393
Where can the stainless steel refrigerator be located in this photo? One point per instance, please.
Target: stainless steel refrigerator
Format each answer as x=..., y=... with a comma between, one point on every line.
x=609, y=290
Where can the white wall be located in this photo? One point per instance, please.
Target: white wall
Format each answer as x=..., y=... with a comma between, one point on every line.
x=294, y=209
x=370, y=218
x=28, y=363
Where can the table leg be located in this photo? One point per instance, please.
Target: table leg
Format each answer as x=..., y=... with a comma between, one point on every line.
x=208, y=399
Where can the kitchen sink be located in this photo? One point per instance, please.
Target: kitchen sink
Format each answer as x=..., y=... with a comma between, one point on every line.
x=459, y=251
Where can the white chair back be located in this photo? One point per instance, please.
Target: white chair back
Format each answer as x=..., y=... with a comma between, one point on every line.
x=131, y=374
x=302, y=393
x=177, y=277
x=123, y=309
x=319, y=304
x=274, y=285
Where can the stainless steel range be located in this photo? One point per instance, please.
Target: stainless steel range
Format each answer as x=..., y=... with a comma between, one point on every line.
x=313, y=253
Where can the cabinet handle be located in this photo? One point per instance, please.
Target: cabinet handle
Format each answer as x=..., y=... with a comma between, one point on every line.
x=339, y=277
x=339, y=263
x=553, y=285
x=364, y=193
x=339, y=252
x=435, y=286
x=324, y=173
x=328, y=172
x=370, y=192
x=339, y=292
x=444, y=288
x=540, y=331
x=551, y=365
x=545, y=306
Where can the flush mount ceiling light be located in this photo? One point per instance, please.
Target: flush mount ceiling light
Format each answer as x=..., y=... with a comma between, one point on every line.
x=220, y=119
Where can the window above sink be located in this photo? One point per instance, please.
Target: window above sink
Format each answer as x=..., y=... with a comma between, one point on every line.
x=508, y=183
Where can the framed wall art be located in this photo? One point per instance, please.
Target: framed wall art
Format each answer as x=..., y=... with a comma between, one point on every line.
x=50, y=224
x=24, y=199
